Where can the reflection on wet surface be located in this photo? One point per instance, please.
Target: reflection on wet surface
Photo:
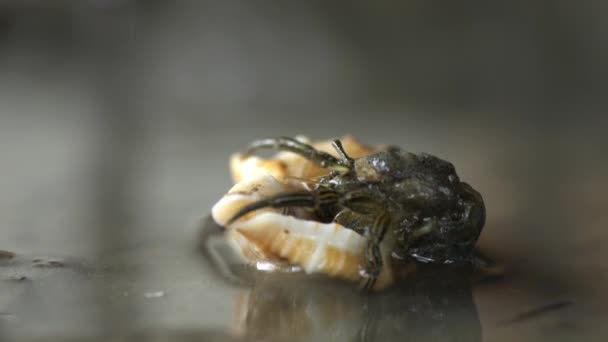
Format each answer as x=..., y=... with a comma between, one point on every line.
x=432, y=305
x=303, y=310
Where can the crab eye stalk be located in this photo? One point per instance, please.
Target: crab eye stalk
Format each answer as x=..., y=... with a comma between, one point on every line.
x=347, y=161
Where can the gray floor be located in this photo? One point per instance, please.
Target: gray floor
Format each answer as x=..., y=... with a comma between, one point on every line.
x=117, y=119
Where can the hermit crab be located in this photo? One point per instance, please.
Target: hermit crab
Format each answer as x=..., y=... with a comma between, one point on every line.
x=349, y=211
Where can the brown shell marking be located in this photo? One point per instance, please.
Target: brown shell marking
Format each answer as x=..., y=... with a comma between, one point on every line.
x=326, y=248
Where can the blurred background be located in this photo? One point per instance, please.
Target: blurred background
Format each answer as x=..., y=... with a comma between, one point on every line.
x=117, y=118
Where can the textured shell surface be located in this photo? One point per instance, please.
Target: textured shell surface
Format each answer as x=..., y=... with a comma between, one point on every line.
x=270, y=236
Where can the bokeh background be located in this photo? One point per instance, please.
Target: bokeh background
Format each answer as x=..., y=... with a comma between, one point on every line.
x=117, y=118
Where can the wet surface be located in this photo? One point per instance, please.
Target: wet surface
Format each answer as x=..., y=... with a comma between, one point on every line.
x=43, y=298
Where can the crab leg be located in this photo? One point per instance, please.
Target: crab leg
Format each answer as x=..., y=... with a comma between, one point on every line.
x=318, y=199
x=373, y=258
x=374, y=233
x=320, y=158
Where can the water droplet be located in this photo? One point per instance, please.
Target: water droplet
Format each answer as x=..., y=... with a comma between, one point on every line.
x=422, y=258
x=265, y=266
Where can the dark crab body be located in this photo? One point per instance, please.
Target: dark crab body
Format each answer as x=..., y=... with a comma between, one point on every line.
x=413, y=203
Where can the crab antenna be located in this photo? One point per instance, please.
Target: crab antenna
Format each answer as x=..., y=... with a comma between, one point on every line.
x=337, y=145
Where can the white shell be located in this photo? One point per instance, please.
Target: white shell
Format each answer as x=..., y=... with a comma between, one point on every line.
x=251, y=189
x=267, y=235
